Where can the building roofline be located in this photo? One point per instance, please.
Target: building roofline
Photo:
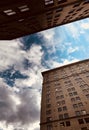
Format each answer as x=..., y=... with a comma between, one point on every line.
x=64, y=66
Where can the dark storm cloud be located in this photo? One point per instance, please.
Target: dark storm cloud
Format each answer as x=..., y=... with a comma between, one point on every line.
x=24, y=113
x=6, y=104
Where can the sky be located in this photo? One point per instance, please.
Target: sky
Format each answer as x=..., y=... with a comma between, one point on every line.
x=21, y=62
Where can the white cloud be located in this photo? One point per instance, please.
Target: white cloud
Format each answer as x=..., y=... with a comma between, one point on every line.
x=34, y=55
x=53, y=64
x=73, y=30
x=27, y=100
x=10, y=54
x=49, y=40
x=48, y=34
x=72, y=49
x=85, y=25
x=66, y=61
x=19, y=109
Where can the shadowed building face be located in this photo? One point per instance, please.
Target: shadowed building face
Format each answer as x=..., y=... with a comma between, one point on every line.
x=20, y=18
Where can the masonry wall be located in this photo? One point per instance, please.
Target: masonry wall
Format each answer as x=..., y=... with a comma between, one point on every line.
x=65, y=98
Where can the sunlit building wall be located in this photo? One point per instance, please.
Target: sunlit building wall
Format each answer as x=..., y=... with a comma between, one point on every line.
x=65, y=98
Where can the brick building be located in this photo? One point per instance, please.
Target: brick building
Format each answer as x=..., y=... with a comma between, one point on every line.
x=22, y=17
x=65, y=97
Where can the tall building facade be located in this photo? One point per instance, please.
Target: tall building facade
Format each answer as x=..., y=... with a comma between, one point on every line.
x=65, y=98
x=22, y=17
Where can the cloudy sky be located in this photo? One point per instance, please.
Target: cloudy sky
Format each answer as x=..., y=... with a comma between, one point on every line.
x=21, y=63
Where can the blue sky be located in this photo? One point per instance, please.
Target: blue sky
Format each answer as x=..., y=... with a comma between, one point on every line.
x=21, y=62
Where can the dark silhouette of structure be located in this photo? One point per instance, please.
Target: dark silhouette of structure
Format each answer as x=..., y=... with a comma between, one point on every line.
x=22, y=17
x=65, y=97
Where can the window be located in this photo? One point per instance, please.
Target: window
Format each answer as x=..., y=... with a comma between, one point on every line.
x=86, y=1
x=67, y=123
x=76, y=4
x=48, y=2
x=64, y=108
x=71, y=13
x=48, y=112
x=86, y=120
x=85, y=90
x=49, y=17
x=48, y=95
x=77, y=113
x=57, y=15
x=62, y=124
x=75, y=106
x=61, y=96
x=61, y=116
x=49, y=127
x=84, y=128
x=80, y=121
x=69, y=85
x=58, y=92
x=67, y=82
x=70, y=94
x=79, y=10
x=9, y=12
x=59, y=9
x=47, y=100
x=72, y=89
x=72, y=99
x=83, y=112
x=61, y=102
x=66, y=115
x=23, y=8
x=48, y=92
x=49, y=13
x=69, y=89
x=87, y=95
x=80, y=104
x=57, y=97
x=61, y=1
x=49, y=118
x=78, y=98
x=59, y=109
x=48, y=105
x=74, y=93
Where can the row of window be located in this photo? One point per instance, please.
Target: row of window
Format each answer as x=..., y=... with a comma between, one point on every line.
x=82, y=121
x=78, y=105
x=50, y=2
x=61, y=116
x=60, y=109
x=67, y=81
x=82, y=112
x=68, y=123
x=22, y=8
x=73, y=93
x=66, y=115
x=74, y=99
x=59, y=96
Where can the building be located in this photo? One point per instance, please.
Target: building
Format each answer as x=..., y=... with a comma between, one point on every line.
x=65, y=98
x=22, y=17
